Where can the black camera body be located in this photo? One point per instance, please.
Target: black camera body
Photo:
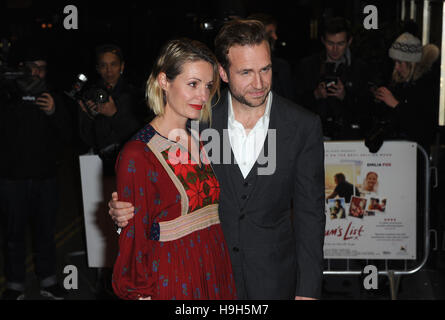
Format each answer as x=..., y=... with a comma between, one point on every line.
x=19, y=84
x=330, y=75
x=94, y=93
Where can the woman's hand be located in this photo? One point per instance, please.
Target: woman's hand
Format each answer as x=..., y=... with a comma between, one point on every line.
x=383, y=94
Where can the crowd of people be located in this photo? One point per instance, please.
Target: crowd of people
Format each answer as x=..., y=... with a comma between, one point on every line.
x=198, y=229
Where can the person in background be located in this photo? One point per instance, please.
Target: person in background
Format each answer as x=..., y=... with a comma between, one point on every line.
x=409, y=102
x=33, y=126
x=105, y=125
x=283, y=79
x=334, y=83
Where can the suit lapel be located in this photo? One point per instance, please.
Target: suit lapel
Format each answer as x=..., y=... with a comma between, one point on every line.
x=277, y=141
x=219, y=123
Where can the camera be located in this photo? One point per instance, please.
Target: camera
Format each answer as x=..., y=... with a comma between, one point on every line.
x=18, y=83
x=330, y=74
x=80, y=92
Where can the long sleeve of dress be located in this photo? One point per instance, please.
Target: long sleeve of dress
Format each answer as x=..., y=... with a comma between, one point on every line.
x=132, y=274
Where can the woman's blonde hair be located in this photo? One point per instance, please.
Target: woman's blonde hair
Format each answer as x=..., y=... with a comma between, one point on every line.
x=396, y=78
x=170, y=61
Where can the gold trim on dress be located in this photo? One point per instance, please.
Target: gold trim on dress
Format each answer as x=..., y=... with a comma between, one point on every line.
x=187, y=224
x=157, y=144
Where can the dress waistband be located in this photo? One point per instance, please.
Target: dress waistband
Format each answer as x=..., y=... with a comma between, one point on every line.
x=186, y=224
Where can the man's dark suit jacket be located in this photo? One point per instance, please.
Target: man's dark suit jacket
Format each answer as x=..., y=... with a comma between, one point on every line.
x=274, y=224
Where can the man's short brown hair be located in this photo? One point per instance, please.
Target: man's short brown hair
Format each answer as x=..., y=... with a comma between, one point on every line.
x=240, y=32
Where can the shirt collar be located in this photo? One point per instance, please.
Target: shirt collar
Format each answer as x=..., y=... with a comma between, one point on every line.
x=263, y=119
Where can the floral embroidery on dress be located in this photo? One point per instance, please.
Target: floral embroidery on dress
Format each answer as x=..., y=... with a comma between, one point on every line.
x=199, y=182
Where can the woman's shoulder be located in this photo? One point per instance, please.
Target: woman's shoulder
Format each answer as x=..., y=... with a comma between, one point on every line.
x=144, y=135
x=137, y=145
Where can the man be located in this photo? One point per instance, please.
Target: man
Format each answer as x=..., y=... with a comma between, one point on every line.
x=105, y=126
x=343, y=188
x=334, y=84
x=283, y=80
x=31, y=132
x=276, y=249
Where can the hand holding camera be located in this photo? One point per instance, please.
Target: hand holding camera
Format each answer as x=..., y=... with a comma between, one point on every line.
x=108, y=108
x=336, y=89
x=320, y=92
x=46, y=102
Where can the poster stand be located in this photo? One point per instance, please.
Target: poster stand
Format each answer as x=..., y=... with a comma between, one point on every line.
x=394, y=274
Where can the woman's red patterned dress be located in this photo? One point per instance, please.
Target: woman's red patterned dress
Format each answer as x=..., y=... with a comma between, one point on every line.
x=173, y=248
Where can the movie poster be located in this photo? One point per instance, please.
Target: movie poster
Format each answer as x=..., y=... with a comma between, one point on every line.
x=370, y=201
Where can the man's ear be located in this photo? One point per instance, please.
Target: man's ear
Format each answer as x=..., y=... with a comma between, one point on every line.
x=122, y=67
x=349, y=41
x=223, y=73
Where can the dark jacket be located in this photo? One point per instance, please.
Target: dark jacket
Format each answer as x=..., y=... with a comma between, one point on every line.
x=274, y=224
x=31, y=139
x=415, y=117
x=339, y=118
x=103, y=131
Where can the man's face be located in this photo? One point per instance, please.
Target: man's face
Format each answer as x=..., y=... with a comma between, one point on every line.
x=336, y=45
x=250, y=74
x=38, y=68
x=271, y=31
x=110, y=68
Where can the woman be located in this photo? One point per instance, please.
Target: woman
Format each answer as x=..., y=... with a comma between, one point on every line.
x=174, y=247
x=371, y=184
x=411, y=99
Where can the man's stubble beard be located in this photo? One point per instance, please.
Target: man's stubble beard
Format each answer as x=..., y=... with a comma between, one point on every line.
x=240, y=98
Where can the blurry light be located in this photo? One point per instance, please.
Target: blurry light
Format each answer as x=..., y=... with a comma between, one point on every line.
x=82, y=77
x=43, y=25
x=50, y=25
x=207, y=25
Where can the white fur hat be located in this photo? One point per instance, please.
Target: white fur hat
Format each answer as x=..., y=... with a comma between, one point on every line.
x=406, y=48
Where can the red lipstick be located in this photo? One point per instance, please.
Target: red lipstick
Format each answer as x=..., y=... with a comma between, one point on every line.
x=196, y=106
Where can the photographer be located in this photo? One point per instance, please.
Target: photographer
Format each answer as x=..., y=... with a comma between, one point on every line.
x=105, y=126
x=407, y=105
x=333, y=83
x=33, y=124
